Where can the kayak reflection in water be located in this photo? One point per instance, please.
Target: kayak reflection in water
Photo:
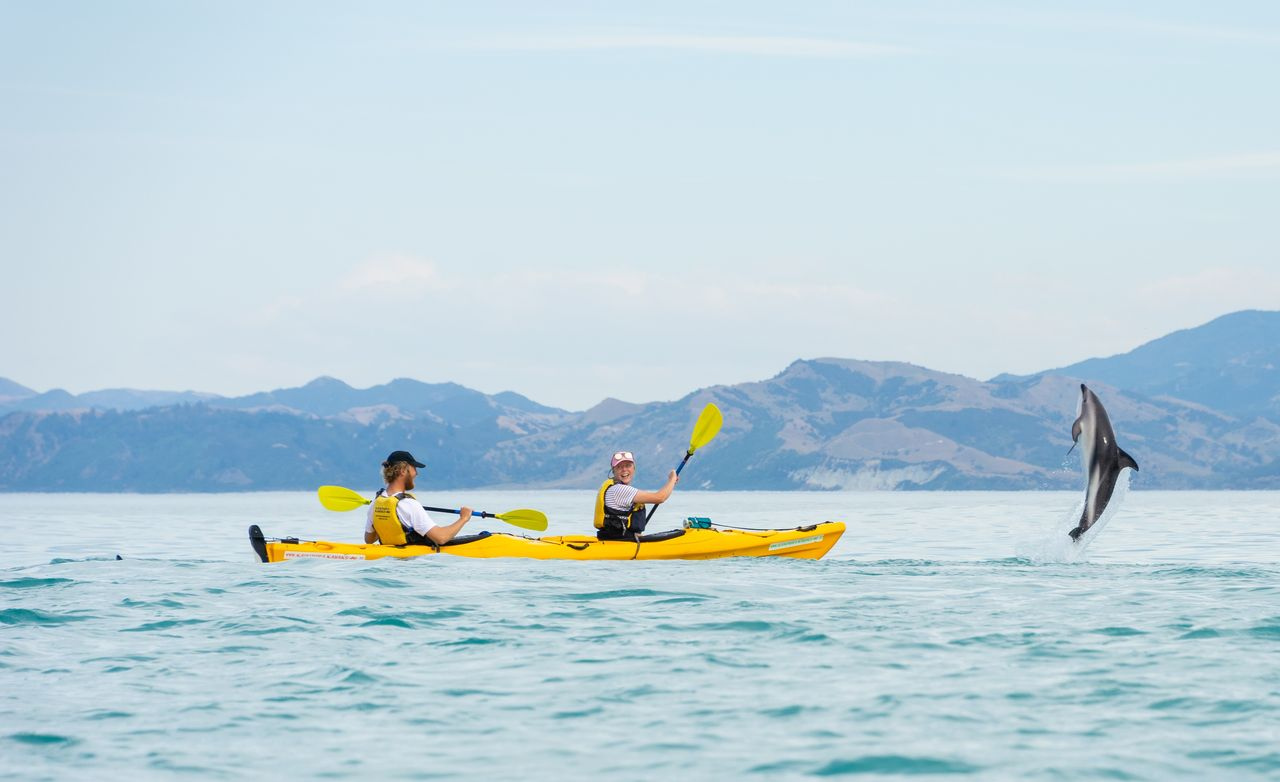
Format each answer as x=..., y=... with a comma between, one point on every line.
x=397, y=518
x=620, y=512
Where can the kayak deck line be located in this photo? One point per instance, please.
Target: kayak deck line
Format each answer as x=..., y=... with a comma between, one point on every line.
x=811, y=541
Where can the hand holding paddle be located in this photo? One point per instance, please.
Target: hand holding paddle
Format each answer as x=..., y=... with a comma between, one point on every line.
x=342, y=499
x=704, y=431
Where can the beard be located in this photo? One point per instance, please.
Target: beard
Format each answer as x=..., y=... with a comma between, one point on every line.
x=408, y=483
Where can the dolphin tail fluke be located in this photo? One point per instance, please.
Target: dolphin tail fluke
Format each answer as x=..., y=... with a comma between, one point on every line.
x=1083, y=526
x=1127, y=461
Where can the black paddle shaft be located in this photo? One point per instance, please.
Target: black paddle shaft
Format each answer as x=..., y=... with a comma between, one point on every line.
x=654, y=509
x=458, y=512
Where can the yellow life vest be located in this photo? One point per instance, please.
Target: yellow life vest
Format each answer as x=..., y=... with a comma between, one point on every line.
x=386, y=522
x=631, y=522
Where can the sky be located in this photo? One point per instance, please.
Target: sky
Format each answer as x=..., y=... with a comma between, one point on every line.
x=582, y=200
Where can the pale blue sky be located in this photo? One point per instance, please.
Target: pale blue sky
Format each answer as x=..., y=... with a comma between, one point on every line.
x=577, y=200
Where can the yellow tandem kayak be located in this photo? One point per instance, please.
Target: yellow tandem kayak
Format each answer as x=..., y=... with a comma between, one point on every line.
x=810, y=542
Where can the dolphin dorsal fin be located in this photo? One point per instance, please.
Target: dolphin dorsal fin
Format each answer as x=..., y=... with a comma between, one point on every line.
x=1127, y=461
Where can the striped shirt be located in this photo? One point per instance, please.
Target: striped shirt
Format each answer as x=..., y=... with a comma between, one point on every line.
x=620, y=497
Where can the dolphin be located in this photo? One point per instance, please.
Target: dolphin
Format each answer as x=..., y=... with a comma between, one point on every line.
x=1103, y=458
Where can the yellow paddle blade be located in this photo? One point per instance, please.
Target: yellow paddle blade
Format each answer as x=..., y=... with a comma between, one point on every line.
x=707, y=427
x=340, y=499
x=523, y=517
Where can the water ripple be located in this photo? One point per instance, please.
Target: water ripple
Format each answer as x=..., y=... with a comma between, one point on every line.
x=895, y=765
x=31, y=616
x=34, y=583
x=43, y=739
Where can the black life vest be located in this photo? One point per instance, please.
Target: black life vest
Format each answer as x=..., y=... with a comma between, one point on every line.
x=614, y=525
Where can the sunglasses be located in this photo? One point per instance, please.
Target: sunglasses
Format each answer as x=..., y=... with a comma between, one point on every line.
x=623, y=456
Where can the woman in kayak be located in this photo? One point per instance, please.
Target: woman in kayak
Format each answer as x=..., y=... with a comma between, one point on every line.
x=620, y=512
x=397, y=518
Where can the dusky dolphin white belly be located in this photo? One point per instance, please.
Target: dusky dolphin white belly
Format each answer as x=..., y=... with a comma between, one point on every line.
x=1103, y=458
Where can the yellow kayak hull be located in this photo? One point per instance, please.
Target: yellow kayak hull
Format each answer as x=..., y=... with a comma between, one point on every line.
x=811, y=542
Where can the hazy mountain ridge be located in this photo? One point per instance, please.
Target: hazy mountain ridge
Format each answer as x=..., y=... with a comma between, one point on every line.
x=825, y=423
x=10, y=390
x=1231, y=364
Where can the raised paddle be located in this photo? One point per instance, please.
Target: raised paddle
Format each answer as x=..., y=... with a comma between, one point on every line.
x=704, y=431
x=342, y=499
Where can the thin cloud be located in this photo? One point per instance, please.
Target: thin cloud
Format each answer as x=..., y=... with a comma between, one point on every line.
x=672, y=290
x=751, y=45
x=1212, y=33
x=1243, y=287
x=281, y=308
x=827, y=293
x=1266, y=163
x=395, y=271
x=1155, y=27
x=1084, y=21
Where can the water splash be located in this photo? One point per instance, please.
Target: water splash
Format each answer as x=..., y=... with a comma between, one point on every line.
x=1052, y=544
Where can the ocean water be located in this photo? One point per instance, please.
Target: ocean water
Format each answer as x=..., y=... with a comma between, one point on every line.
x=946, y=635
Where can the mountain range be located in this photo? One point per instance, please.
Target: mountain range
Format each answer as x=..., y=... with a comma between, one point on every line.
x=1198, y=409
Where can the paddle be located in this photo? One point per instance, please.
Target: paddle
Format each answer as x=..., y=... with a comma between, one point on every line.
x=341, y=499
x=704, y=431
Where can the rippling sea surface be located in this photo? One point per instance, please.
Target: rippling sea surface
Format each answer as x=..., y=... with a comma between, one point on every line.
x=947, y=634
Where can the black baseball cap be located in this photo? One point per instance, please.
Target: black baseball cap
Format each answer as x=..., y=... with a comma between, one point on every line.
x=402, y=456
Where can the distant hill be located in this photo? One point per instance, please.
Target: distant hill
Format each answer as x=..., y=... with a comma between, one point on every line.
x=108, y=399
x=199, y=448
x=843, y=424
x=326, y=396
x=1231, y=364
x=322, y=397
x=10, y=390
x=1196, y=408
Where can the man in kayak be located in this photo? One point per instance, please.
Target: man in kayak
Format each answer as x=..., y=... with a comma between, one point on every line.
x=620, y=512
x=397, y=518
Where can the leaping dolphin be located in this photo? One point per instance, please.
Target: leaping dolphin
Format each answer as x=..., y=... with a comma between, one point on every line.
x=1103, y=458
